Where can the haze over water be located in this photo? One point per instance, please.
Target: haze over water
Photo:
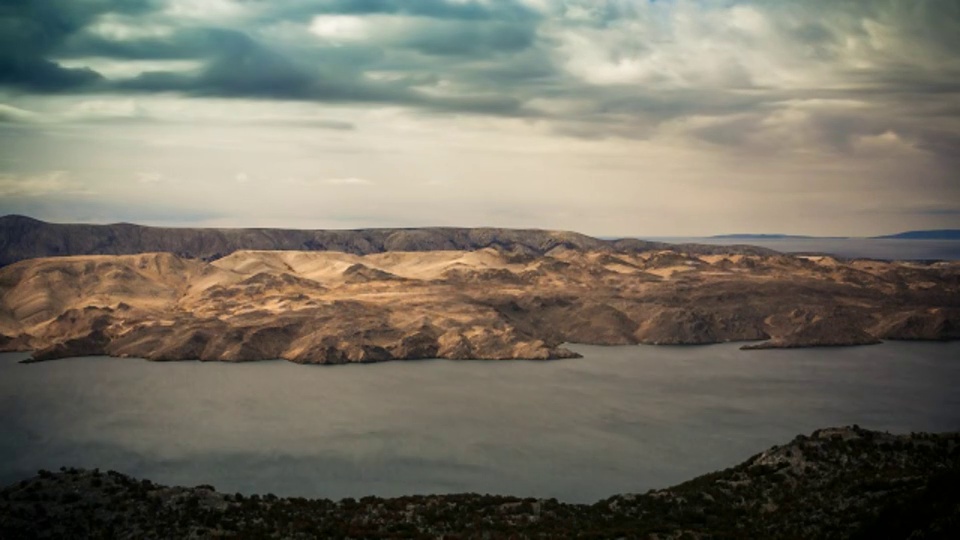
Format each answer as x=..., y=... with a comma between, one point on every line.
x=622, y=419
x=854, y=248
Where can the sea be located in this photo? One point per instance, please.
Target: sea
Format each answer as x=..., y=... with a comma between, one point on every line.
x=619, y=420
x=851, y=248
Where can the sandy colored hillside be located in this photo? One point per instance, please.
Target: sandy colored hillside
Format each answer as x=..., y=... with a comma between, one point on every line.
x=335, y=307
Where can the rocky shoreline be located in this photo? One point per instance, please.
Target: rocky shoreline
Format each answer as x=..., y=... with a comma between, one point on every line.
x=836, y=483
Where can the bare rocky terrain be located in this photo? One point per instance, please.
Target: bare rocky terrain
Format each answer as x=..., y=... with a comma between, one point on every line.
x=499, y=302
x=834, y=484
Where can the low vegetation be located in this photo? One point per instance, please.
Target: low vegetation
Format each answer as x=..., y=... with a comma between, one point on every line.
x=835, y=483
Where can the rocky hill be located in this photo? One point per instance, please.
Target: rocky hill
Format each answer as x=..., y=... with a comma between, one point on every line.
x=493, y=303
x=27, y=238
x=835, y=484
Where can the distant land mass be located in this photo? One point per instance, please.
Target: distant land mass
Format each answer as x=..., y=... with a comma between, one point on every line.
x=23, y=237
x=837, y=483
x=746, y=236
x=938, y=234
x=520, y=297
x=933, y=234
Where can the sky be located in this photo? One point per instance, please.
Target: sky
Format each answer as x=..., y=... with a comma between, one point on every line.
x=611, y=118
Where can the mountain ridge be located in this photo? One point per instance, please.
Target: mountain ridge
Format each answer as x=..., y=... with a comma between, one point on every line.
x=766, y=236
x=23, y=237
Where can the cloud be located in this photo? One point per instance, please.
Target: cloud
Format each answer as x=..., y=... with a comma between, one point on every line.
x=441, y=10
x=16, y=115
x=240, y=67
x=112, y=68
x=864, y=93
x=337, y=28
x=634, y=64
x=33, y=31
x=162, y=47
x=149, y=177
x=348, y=181
x=43, y=75
x=53, y=182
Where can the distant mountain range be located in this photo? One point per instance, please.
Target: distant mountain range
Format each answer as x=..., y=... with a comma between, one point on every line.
x=764, y=236
x=23, y=237
x=934, y=234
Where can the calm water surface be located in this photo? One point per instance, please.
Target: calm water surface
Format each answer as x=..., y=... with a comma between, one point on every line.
x=870, y=248
x=621, y=419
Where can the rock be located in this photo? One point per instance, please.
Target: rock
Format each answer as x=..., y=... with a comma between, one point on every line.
x=92, y=344
x=922, y=324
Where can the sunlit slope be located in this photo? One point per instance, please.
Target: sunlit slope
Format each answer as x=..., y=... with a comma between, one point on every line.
x=491, y=303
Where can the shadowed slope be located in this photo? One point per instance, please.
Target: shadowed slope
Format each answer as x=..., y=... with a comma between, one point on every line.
x=26, y=238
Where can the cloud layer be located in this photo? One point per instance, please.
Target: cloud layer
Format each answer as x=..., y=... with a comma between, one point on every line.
x=838, y=117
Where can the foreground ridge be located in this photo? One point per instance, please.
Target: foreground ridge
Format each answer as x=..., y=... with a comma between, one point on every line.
x=836, y=483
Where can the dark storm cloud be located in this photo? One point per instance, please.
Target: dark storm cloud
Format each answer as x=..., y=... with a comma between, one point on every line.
x=234, y=64
x=472, y=39
x=38, y=74
x=183, y=44
x=238, y=66
x=31, y=30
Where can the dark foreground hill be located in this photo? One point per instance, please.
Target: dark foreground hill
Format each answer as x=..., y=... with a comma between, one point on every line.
x=27, y=238
x=836, y=483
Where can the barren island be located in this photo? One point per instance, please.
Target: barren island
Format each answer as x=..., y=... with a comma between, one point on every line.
x=387, y=294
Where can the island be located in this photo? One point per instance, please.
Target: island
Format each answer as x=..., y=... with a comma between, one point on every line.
x=386, y=294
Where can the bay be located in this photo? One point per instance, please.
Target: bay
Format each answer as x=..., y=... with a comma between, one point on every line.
x=621, y=419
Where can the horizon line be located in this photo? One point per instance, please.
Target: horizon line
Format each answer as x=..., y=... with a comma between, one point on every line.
x=751, y=236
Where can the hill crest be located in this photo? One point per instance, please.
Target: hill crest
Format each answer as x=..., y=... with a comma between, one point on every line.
x=23, y=237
